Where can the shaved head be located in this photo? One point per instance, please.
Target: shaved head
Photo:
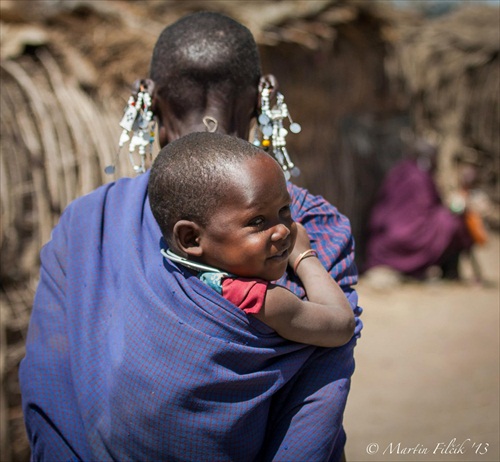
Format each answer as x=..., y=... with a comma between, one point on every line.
x=204, y=52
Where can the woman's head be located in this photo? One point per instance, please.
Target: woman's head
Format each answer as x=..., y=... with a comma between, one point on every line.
x=207, y=49
x=205, y=64
x=223, y=201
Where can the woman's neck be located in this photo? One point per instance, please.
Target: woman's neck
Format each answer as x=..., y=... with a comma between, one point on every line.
x=230, y=115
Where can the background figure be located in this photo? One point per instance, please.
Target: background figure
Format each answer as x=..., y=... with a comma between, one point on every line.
x=410, y=229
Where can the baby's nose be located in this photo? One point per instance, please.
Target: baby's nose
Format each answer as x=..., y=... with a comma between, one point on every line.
x=280, y=232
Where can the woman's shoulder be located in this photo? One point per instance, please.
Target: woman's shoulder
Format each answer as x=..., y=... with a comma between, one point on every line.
x=113, y=203
x=312, y=207
x=122, y=192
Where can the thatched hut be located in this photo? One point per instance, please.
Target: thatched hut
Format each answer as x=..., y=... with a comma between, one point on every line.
x=449, y=71
x=66, y=69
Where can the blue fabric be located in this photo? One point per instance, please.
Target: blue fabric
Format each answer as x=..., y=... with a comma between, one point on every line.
x=130, y=357
x=213, y=280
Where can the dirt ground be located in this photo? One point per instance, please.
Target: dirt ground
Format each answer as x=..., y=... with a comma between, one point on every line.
x=426, y=387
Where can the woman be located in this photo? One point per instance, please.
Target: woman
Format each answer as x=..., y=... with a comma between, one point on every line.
x=120, y=364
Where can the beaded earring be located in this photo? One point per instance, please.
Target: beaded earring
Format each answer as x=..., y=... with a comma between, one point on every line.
x=273, y=133
x=138, y=129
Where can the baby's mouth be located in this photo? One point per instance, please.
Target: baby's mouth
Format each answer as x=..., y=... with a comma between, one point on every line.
x=280, y=255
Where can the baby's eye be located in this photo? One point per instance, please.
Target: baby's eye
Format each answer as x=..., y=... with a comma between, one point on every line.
x=257, y=221
x=285, y=211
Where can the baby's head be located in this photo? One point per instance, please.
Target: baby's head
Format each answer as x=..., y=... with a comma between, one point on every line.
x=221, y=201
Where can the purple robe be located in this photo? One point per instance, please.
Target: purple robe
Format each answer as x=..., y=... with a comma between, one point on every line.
x=409, y=228
x=130, y=358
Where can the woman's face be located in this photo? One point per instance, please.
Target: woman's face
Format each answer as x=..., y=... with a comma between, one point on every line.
x=252, y=233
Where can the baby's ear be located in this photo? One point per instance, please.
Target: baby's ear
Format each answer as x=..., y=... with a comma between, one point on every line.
x=186, y=235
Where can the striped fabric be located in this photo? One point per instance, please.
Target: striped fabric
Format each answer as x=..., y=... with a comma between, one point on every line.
x=126, y=360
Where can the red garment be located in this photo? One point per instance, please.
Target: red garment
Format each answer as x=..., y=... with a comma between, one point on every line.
x=247, y=294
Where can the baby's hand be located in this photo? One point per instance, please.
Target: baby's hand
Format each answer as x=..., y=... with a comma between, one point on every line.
x=302, y=244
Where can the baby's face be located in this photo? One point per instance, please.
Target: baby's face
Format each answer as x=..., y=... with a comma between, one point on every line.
x=251, y=234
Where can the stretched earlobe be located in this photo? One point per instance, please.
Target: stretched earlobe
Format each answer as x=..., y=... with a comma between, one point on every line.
x=153, y=91
x=186, y=236
x=268, y=81
x=147, y=84
x=161, y=113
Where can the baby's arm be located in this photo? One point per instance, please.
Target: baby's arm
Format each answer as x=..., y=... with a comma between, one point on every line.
x=325, y=319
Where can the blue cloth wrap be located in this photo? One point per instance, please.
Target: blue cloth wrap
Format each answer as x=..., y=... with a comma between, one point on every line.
x=130, y=357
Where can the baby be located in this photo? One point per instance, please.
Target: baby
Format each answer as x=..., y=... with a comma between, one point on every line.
x=223, y=208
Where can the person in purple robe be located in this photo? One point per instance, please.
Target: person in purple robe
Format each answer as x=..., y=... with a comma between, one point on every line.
x=410, y=228
x=126, y=360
